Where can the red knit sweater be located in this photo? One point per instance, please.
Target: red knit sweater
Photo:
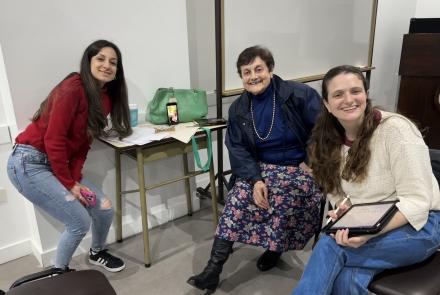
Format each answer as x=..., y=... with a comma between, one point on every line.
x=61, y=131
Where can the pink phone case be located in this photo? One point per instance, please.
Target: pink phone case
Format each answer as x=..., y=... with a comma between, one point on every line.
x=89, y=196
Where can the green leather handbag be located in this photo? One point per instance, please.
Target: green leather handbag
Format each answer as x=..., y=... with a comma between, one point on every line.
x=191, y=104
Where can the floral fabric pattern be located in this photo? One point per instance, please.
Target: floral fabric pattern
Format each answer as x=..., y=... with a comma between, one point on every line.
x=293, y=214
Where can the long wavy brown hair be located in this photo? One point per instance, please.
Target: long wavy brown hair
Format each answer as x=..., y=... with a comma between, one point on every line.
x=327, y=139
x=116, y=89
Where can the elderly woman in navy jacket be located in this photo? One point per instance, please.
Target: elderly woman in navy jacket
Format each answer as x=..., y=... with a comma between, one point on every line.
x=275, y=202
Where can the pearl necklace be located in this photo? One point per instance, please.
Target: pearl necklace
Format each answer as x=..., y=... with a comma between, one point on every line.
x=271, y=124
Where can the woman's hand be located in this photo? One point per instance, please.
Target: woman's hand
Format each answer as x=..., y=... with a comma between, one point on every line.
x=341, y=207
x=335, y=214
x=306, y=168
x=341, y=238
x=260, y=195
x=76, y=192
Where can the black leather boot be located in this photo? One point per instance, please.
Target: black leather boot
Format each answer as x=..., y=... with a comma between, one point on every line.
x=209, y=278
x=268, y=260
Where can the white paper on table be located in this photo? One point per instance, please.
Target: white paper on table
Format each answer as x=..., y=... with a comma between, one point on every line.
x=143, y=135
x=184, y=131
x=115, y=142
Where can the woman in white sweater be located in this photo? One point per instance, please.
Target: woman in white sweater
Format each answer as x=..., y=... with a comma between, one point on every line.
x=372, y=156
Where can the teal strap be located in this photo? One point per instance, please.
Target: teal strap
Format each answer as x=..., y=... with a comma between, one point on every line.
x=196, y=150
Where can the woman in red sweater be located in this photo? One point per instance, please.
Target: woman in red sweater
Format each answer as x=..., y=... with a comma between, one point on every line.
x=48, y=156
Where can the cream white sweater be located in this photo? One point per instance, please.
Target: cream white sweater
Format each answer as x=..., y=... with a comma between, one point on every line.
x=399, y=169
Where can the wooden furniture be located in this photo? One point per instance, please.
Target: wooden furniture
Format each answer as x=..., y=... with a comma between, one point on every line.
x=419, y=93
x=424, y=25
x=154, y=151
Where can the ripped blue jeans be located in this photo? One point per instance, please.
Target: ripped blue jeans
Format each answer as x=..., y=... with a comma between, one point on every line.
x=30, y=172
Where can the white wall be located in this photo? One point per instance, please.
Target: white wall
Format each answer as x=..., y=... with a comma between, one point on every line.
x=390, y=28
x=44, y=42
x=428, y=9
x=307, y=37
x=391, y=25
x=8, y=126
x=201, y=43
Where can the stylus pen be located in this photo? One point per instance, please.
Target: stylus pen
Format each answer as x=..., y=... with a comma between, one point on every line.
x=344, y=201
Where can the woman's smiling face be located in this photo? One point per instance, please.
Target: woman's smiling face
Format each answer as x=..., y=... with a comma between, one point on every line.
x=104, y=65
x=256, y=76
x=347, y=98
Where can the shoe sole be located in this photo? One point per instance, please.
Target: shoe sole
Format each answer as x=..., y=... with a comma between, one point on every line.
x=107, y=268
x=208, y=289
x=266, y=267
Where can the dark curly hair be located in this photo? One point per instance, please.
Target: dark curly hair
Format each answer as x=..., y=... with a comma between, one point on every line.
x=328, y=136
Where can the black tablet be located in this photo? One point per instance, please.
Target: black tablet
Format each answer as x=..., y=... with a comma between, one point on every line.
x=362, y=219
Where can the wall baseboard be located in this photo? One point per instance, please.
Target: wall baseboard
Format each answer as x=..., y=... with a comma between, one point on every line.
x=15, y=251
x=5, y=135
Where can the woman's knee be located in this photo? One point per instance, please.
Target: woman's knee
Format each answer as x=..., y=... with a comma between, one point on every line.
x=106, y=207
x=354, y=280
x=81, y=225
x=106, y=204
x=327, y=246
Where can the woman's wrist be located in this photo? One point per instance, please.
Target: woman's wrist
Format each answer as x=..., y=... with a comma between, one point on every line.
x=254, y=181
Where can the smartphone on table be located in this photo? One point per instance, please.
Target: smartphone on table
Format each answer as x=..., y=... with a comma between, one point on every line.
x=172, y=113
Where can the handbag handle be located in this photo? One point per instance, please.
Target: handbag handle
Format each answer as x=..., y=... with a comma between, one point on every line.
x=172, y=91
x=196, y=150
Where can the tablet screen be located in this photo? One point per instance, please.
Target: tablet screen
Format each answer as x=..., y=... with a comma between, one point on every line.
x=365, y=215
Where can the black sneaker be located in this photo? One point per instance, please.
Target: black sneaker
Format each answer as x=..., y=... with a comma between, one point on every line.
x=106, y=260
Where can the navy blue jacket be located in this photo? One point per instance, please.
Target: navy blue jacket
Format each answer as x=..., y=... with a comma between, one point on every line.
x=300, y=105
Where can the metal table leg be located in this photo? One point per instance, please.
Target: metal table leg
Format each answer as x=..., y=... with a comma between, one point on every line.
x=118, y=213
x=213, y=193
x=143, y=201
x=187, y=184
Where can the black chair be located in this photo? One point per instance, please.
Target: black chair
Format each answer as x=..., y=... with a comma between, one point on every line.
x=56, y=281
x=419, y=279
x=435, y=162
x=422, y=278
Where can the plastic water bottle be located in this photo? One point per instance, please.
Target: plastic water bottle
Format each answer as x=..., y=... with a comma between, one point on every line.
x=133, y=114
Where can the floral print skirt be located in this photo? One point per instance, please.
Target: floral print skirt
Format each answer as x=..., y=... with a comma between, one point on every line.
x=293, y=214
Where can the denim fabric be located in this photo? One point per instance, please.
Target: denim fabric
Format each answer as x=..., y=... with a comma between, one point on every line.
x=30, y=172
x=333, y=269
